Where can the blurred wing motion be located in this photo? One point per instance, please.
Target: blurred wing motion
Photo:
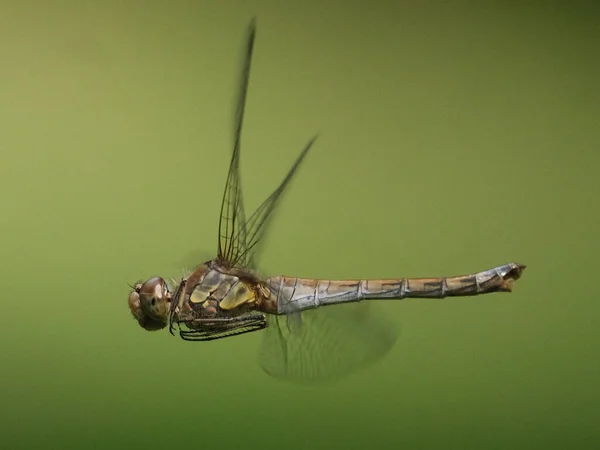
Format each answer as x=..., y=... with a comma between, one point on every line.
x=314, y=345
x=325, y=344
x=232, y=221
x=256, y=223
x=238, y=237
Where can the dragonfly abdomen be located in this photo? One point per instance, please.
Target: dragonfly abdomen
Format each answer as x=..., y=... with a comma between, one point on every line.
x=296, y=294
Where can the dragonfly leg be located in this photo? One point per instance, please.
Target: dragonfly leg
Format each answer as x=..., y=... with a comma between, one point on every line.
x=211, y=329
x=176, y=305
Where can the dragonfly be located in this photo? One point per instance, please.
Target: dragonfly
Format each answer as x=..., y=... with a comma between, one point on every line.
x=303, y=340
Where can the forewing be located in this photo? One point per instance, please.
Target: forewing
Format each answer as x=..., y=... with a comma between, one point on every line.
x=256, y=224
x=237, y=238
x=326, y=343
x=232, y=232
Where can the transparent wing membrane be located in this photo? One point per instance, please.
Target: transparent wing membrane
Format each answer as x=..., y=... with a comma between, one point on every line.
x=256, y=224
x=326, y=343
x=238, y=237
x=317, y=345
x=232, y=221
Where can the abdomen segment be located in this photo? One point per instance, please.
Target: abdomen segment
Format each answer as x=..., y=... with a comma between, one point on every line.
x=296, y=294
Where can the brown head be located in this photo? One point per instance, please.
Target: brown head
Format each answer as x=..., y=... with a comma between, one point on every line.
x=149, y=303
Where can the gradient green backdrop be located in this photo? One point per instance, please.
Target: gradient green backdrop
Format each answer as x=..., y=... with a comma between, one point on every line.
x=455, y=136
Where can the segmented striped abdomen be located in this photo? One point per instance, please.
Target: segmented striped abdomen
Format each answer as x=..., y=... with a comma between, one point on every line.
x=291, y=294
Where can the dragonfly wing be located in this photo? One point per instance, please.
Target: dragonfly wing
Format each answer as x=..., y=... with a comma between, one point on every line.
x=237, y=237
x=326, y=343
x=255, y=226
x=232, y=221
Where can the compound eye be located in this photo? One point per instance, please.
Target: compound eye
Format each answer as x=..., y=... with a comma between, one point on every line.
x=147, y=308
x=154, y=298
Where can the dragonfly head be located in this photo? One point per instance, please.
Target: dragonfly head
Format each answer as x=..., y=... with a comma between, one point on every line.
x=149, y=303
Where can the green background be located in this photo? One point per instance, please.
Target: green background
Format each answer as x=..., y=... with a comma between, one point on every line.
x=455, y=136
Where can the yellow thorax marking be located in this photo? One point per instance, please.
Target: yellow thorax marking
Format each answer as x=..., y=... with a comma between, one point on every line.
x=237, y=296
